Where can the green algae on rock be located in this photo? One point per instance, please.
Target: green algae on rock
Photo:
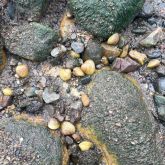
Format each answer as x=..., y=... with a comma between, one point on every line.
x=32, y=41
x=33, y=141
x=118, y=121
x=103, y=18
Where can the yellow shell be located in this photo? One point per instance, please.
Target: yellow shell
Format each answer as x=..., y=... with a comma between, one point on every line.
x=7, y=91
x=67, y=128
x=65, y=74
x=88, y=67
x=53, y=124
x=22, y=70
x=85, y=145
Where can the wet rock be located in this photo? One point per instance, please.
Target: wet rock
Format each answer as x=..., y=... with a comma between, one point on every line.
x=125, y=65
x=160, y=85
x=58, y=51
x=31, y=41
x=161, y=70
x=153, y=38
x=35, y=142
x=5, y=101
x=139, y=57
x=108, y=17
x=113, y=102
x=154, y=54
x=78, y=47
x=93, y=51
x=49, y=96
x=30, y=10
x=85, y=80
x=110, y=50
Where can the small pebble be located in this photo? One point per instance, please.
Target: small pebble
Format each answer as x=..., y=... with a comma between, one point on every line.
x=114, y=39
x=22, y=70
x=53, y=124
x=65, y=74
x=88, y=67
x=125, y=51
x=85, y=145
x=67, y=128
x=7, y=91
x=78, y=47
x=85, y=80
x=104, y=60
x=85, y=100
x=78, y=72
x=153, y=64
x=76, y=137
x=74, y=54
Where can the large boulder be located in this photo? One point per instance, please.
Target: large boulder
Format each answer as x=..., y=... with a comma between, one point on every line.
x=31, y=9
x=31, y=41
x=103, y=18
x=31, y=144
x=118, y=121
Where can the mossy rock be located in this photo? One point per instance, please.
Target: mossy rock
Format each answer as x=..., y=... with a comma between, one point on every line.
x=103, y=18
x=33, y=144
x=32, y=41
x=118, y=121
x=31, y=9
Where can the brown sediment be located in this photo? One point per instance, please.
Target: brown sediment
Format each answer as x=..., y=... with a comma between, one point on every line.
x=108, y=158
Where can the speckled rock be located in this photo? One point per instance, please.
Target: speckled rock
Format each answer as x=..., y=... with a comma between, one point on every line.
x=36, y=144
x=118, y=117
x=31, y=41
x=103, y=18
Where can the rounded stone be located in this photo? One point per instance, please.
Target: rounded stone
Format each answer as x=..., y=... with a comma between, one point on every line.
x=67, y=128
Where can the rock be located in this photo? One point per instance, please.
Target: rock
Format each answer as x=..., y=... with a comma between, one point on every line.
x=85, y=145
x=147, y=10
x=93, y=51
x=139, y=31
x=58, y=51
x=67, y=128
x=3, y=58
x=114, y=100
x=53, y=124
x=88, y=67
x=22, y=70
x=31, y=41
x=161, y=70
x=153, y=38
x=139, y=57
x=85, y=80
x=110, y=50
x=154, y=54
x=125, y=65
x=30, y=91
x=123, y=42
x=49, y=96
x=31, y=10
x=5, y=101
x=74, y=54
x=160, y=105
x=160, y=85
x=78, y=47
x=125, y=51
x=153, y=64
x=71, y=62
x=78, y=72
x=67, y=27
x=7, y=91
x=104, y=60
x=104, y=18
x=36, y=143
x=65, y=74
x=85, y=100
x=114, y=39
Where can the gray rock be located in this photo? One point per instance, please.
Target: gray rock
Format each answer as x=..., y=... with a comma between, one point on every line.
x=49, y=96
x=161, y=70
x=30, y=91
x=31, y=41
x=154, y=54
x=71, y=62
x=125, y=65
x=153, y=38
x=93, y=51
x=119, y=118
x=161, y=85
x=58, y=51
x=31, y=10
x=78, y=47
x=33, y=144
